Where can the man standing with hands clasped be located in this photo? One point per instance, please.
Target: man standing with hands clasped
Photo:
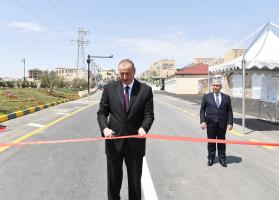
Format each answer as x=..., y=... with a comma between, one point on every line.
x=216, y=116
x=126, y=108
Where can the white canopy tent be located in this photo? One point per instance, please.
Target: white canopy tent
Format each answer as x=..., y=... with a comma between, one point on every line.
x=262, y=53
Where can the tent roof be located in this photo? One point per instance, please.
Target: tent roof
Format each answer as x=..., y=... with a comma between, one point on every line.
x=263, y=53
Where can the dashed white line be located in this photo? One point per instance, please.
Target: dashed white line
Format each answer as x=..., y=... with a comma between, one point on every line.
x=59, y=113
x=36, y=125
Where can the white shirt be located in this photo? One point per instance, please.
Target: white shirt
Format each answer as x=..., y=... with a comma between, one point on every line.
x=219, y=97
x=130, y=88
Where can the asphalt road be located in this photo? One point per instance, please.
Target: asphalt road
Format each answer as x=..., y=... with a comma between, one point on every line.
x=178, y=170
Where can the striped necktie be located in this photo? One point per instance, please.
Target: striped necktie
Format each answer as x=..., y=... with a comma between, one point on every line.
x=126, y=98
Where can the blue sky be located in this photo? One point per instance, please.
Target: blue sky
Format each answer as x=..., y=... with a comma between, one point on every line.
x=42, y=31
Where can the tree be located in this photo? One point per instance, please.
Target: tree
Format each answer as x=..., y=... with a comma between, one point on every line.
x=79, y=84
x=49, y=80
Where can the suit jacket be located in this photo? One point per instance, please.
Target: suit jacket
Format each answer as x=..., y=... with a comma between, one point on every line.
x=112, y=114
x=214, y=116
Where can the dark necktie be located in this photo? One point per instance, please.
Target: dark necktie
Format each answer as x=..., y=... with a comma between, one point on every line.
x=217, y=100
x=126, y=98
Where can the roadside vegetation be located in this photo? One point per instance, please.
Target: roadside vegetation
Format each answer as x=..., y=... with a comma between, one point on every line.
x=19, y=95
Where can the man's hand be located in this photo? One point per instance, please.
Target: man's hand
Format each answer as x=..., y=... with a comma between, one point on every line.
x=203, y=125
x=108, y=132
x=141, y=132
x=229, y=127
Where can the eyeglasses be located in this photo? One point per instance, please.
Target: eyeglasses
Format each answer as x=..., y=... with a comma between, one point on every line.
x=216, y=85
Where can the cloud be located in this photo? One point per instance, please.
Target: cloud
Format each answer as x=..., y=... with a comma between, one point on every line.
x=27, y=26
x=175, y=46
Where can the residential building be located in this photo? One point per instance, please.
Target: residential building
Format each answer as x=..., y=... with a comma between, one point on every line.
x=108, y=75
x=162, y=69
x=70, y=74
x=232, y=54
x=34, y=74
x=208, y=61
x=186, y=81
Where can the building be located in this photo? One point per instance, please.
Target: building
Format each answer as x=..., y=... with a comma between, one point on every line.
x=108, y=75
x=70, y=74
x=162, y=69
x=145, y=75
x=232, y=54
x=208, y=61
x=186, y=81
x=34, y=74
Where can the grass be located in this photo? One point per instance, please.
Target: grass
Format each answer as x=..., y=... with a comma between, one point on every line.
x=14, y=99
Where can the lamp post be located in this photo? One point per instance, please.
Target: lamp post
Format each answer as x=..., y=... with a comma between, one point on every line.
x=23, y=60
x=89, y=59
x=88, y=75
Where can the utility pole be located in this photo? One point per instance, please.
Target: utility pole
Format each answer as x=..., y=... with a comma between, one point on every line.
x=81, y=42
x=89, y=59
x=23, y=60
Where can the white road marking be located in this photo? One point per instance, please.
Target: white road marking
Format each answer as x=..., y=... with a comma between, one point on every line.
x=147, y=183
x=36, y=125
x=59, y=113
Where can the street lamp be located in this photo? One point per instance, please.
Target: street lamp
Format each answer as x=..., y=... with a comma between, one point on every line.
x=23, y=60
x=89, y=59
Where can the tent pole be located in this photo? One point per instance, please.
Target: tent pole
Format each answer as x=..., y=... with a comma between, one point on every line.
x=243, y=96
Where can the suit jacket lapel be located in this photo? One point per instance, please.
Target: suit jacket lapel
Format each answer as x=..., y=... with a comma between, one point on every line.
x=134, y=92
x=222, y=99
x=120, y=92
x=213, y=99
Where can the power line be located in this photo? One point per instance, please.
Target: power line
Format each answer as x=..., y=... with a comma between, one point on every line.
x=70, y=13
x=35, y=15
x=60, y=14
x=26, y=41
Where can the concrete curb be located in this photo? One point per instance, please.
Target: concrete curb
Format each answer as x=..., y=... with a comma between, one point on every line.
x=27, y=111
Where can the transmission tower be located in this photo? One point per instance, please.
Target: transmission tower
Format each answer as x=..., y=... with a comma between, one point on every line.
x=81, y=42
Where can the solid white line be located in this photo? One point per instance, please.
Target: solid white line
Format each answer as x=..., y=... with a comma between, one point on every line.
x=147, y=183
x=36, y=125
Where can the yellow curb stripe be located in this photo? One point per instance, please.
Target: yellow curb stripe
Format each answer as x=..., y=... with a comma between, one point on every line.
x=32, y=109
x=3, y=118
x=39, y=130
x=19, y=113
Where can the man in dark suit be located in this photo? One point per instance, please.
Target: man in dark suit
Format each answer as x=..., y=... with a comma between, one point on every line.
x=126, y=108
x=216, y=116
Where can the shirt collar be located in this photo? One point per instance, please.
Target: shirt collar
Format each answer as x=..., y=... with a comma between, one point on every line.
x=219, y=94
x=130, y=85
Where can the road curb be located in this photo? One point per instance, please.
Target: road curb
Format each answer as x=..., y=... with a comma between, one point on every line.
x=27, y=111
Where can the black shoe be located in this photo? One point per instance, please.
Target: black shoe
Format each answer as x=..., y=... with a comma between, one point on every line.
x=210, y=162
x=223, y=162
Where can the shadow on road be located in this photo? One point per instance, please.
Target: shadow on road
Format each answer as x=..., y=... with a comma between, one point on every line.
x=233, y=159
x=257, y=124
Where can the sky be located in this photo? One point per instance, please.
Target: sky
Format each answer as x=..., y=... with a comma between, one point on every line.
x=44, y=32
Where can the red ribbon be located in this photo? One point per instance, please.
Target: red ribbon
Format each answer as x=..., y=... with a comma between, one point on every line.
x=150, y=136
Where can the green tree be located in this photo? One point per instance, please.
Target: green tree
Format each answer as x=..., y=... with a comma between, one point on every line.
x=79, y=84
x=10, y=84
x=49, y=80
